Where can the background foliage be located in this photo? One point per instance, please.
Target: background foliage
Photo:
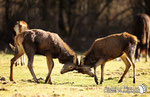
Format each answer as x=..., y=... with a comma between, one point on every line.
x=78, y=22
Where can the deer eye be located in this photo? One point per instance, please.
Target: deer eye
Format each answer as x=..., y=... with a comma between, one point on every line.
x=71, y=67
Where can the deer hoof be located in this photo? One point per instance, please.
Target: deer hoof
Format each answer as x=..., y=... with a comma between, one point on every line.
x=36, y=81
x=96, y=79
x=134, y=81
x=50, y=83
x=96, y=82
x=101, y=82
x=119, y=81
x=22, y=64
x=11, y=79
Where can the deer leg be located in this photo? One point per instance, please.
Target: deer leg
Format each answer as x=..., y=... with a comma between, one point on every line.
x=95, y=77
x=134, y=69
x=146, y=60
x=23, y=60
x=30, y=50
x=16, y=56
x=102, y=73
x=101, y=61
x=128, y=65
x=147, y=46
x=30, y=53
x=30, y=66
x=50, y=65
x=138, y=52
x=18, y=61
x=130, y=53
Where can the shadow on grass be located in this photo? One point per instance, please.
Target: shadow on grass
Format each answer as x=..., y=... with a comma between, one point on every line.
x=40, y=80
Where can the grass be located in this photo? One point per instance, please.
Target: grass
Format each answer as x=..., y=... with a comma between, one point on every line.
x=71, y=84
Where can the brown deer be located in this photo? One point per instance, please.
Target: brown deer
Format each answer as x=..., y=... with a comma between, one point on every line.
x=108, y=48
x=20, y=27
x=141, y=29
x=36, y=41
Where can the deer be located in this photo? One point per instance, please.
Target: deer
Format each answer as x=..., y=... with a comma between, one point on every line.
x=20, y=27
x=141, y=29
x=37, y=41
x=106, y=49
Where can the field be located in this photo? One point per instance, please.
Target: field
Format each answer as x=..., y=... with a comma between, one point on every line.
x=71, y=84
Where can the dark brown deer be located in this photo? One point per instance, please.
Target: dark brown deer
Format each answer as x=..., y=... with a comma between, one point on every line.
x=36, y=41
x=141, y=29
x=108, y=48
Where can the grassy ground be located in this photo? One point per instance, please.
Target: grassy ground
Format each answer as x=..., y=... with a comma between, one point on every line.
x=71, y=84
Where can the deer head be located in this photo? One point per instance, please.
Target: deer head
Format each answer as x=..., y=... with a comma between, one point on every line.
x=82, y=68
x=70, y=66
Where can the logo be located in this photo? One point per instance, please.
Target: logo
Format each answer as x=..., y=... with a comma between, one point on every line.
x=126, y=89
x=142, y=88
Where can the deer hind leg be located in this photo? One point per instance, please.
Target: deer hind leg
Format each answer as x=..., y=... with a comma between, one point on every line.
x=130, y=53
x=128, y=65
x=134, y=69
x=130, y=56
x=50, y=65
x=22, y=60
x=17, y=62
x=138, y=52
x=18, y=53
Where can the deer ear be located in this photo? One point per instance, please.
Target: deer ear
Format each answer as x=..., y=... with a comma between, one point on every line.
x=82, y=60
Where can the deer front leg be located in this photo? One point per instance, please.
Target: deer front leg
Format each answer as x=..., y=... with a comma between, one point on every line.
x=95, y=77
x=134, y=68
x=101, y=61
x=138, y=52
x=128, y=65
x=130, y=53
x=102, y=73
x=30, y=66
x=50, y=65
